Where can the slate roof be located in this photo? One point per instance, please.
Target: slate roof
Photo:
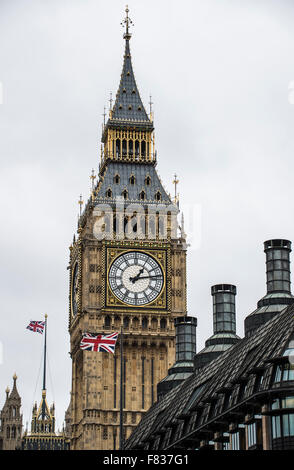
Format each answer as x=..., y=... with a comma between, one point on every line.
x=125, y=171
x=225, y=372
x=128, y=108
x=267, y=307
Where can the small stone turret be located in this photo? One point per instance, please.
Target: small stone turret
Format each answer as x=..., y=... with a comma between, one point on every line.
x=11, y=419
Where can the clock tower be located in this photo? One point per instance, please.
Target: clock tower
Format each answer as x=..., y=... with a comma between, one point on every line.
x=127, y=269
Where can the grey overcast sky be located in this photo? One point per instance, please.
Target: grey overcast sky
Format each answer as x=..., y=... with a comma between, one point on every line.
x=218, y=72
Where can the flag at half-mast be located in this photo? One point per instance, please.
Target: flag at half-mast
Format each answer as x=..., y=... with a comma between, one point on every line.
x=36, y=326
x=98, y=342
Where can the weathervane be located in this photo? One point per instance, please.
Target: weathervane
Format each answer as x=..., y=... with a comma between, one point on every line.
x=127, y=22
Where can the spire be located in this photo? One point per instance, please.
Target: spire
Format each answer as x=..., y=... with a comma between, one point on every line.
x=128, y=105
x=14, y=392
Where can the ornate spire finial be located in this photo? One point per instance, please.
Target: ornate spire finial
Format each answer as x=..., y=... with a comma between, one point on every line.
x=176, y=182
x=93, y=177
x=14, y=377
x=127, y=22
x=104, y=115
x=80, y=202
x=150, y=104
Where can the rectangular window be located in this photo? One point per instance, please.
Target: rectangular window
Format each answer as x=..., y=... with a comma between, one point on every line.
x=276, y=427
x=235, y=441
x=251, y=433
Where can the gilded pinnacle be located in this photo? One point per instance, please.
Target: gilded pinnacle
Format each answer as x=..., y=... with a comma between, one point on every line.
x=127, y=22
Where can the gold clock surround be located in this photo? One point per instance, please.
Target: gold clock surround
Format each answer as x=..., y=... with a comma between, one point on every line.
x=160, y=256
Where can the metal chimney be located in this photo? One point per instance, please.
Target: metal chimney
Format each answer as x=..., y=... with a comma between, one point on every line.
x=224, y=325
x=185, y=338
x=224, y=310
x=278, y=285
x=185, y=351
x=278, y=265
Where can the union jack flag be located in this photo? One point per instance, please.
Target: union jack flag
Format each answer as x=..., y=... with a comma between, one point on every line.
x=97, y=342
x=36, y=326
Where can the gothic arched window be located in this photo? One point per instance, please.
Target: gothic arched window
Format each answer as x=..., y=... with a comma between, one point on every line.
x=143, y=148
x=108, y=193
x=117, y=321
x=124, y=147
x=148, y=180
x=132, y=179
x=142, y=195
x=137, y=148
x=117, y=147
x=125, y=194
x=107, y=321
x=158, y=196
x=126, y=322
x=116, y=179
x=163, y=324
x=135, y=323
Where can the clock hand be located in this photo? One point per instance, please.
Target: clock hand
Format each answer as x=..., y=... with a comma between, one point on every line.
x=135, y=278
x=149, y=277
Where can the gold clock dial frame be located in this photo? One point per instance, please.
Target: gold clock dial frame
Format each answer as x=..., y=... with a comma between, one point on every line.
x=160, y=256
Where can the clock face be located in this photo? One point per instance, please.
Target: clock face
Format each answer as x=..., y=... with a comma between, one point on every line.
x=135, y=278
x=74, y=290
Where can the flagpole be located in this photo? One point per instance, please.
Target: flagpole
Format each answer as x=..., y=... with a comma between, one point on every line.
x=44, y=370
x=45, y=349
x=121, y=425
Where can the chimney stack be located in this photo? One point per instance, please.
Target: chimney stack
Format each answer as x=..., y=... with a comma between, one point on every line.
x=224, y=325
x=224, y=310
x=185, y=351
x=185, y=338
x=278, y=265
x=278, y=285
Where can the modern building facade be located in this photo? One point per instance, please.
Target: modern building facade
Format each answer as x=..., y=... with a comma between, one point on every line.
x=243, y=399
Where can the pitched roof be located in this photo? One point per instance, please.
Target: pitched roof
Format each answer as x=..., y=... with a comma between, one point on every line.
x=267, y=343
x=140, y=172
x=128, y=104
x=14, y=392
